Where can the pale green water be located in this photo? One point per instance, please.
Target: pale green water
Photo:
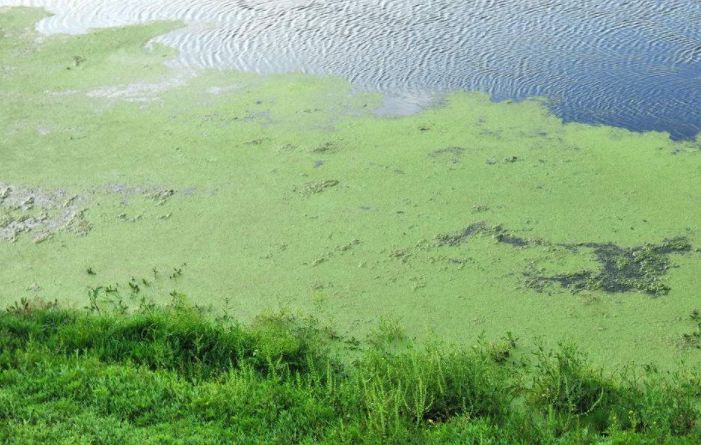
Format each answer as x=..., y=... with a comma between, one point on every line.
x=288, y=192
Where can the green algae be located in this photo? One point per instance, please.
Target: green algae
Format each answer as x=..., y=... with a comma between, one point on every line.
x=261, y=184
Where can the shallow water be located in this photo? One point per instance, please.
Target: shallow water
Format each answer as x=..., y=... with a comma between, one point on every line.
x=633, y=64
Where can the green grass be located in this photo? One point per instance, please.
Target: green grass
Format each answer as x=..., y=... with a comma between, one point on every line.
x=172, y=374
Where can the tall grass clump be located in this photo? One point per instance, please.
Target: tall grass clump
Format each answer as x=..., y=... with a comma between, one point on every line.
x=173, y=374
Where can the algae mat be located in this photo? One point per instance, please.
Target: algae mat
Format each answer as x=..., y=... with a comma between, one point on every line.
x=124, y=179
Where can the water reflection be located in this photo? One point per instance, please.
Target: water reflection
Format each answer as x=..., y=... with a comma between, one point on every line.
x=631, y=64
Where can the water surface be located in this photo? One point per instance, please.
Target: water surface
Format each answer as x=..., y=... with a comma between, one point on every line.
x=633, y=64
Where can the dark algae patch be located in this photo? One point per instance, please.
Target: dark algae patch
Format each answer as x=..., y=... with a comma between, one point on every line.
x=454, y=155
x=499, y=233
x=314, y=187
x=622, y=269
x=458, y=238
x=693, y=339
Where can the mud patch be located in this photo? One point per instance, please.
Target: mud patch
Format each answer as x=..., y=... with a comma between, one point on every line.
x=142, y=91
x=40, y=213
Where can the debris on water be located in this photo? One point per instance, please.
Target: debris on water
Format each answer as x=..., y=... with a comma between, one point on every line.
x=315, y=187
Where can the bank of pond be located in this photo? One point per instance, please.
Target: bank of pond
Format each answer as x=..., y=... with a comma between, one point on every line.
x=179, y=374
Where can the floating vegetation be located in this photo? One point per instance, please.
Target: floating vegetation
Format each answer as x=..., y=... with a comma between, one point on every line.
x=453, y=154
x=622, y=269
x=177, y=272
x=640, y=268
x=457, y=238
x=693, y=339
x=161, y=196
x=314, y=187
x=499, y=233
x=503, y=236
x=326, y=147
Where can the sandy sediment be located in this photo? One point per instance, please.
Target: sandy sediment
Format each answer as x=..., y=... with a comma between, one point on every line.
x=40, y=212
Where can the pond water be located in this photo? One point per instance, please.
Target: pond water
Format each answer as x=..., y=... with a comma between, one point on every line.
x=633, y=64
x=125, y=180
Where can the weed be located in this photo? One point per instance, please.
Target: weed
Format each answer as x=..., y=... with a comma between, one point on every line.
x=169, y=374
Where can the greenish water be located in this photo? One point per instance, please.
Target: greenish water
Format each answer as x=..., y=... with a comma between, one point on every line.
x=250, y=193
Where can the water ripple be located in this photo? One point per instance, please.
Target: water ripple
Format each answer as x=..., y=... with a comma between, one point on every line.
x=635, y=64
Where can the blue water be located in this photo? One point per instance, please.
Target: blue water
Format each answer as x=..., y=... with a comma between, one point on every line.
x=632, y=64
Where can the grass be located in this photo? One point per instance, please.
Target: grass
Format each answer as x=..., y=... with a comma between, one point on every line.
x=172, y=374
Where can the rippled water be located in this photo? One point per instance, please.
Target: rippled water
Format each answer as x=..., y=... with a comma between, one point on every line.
x=635, y=64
